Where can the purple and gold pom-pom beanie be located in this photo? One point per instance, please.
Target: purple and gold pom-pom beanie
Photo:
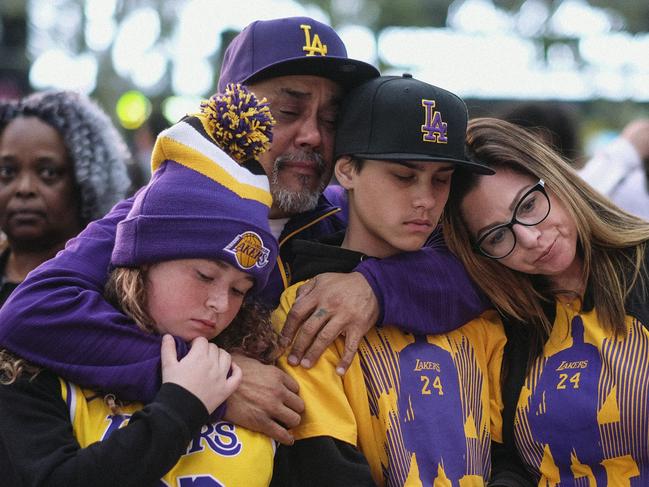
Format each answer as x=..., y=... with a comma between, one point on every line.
x=208, y=197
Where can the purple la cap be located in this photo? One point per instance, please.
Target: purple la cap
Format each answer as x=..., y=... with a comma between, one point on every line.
x=291, y=46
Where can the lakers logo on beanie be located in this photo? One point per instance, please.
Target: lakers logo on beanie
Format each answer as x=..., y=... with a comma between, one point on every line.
x=208, y=196
x=248, y=248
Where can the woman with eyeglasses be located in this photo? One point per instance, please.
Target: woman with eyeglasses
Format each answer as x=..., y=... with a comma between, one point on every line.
x=567, y=270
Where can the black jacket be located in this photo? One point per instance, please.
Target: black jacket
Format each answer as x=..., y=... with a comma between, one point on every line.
x=35, y=425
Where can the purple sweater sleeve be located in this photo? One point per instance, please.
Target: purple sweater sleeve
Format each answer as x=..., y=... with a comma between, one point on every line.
x=58, y=319
x=424, y=292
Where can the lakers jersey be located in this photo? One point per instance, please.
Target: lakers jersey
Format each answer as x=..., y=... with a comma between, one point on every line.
x=582, y=417
x=221, y=455
x=422, y=409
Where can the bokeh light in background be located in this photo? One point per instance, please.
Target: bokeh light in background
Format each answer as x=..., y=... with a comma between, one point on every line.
x=100, y=24
x=56, y=68
x=132, y=108
x=174, y=107
x=576, y=52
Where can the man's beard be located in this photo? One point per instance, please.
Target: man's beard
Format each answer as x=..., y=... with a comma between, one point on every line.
x=290, y=201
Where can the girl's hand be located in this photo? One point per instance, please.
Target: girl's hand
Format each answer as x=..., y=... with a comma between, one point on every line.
x=203, y=371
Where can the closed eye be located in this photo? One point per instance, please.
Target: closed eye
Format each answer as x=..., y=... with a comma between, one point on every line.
x=239, y=292
x=527, y=205
x=204, y=277
x=496, y=236
x=404, y=177
x=329, y=123
x=241, y=288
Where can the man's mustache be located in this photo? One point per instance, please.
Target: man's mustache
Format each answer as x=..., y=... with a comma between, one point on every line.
x=304, y=156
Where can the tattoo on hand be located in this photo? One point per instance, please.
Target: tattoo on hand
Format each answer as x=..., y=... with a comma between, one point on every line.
x=320, y=313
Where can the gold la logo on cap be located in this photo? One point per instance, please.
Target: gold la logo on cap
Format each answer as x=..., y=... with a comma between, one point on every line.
x=435, y=128
x=312, y=46
x=248, y=250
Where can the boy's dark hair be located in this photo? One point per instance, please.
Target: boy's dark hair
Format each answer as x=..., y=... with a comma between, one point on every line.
x=357, y=163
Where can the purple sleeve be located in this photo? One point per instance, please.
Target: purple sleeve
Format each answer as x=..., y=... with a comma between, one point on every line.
x=424, y=292
x=58, y=319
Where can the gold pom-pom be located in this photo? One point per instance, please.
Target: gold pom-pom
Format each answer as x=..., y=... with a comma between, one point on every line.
x=239, y=123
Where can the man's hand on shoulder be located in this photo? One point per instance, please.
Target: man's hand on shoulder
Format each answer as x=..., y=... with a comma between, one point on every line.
x=327, y=306
x=267, y=400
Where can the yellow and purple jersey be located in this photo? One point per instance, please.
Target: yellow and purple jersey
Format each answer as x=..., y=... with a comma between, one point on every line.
x=421, y=409
x=582, y=417
x=222, y=454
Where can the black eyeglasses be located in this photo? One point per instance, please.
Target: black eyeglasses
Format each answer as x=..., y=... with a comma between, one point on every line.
x=531, y=209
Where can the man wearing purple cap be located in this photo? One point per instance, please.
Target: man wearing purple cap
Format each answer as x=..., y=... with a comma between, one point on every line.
x=301, y=66
x=304, y=77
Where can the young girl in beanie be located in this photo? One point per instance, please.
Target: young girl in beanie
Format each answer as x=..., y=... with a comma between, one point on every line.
x=194, y=245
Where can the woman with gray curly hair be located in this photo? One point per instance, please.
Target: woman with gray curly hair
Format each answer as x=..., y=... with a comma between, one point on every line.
x=62, y=165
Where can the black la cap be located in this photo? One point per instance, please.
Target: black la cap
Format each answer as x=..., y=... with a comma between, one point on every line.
x=399, y=118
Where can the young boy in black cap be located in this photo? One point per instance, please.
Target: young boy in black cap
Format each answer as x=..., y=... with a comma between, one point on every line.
x=412, y=409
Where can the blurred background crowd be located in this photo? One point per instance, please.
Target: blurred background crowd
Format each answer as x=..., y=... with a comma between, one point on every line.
x=577, y=67
x=86, y=85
